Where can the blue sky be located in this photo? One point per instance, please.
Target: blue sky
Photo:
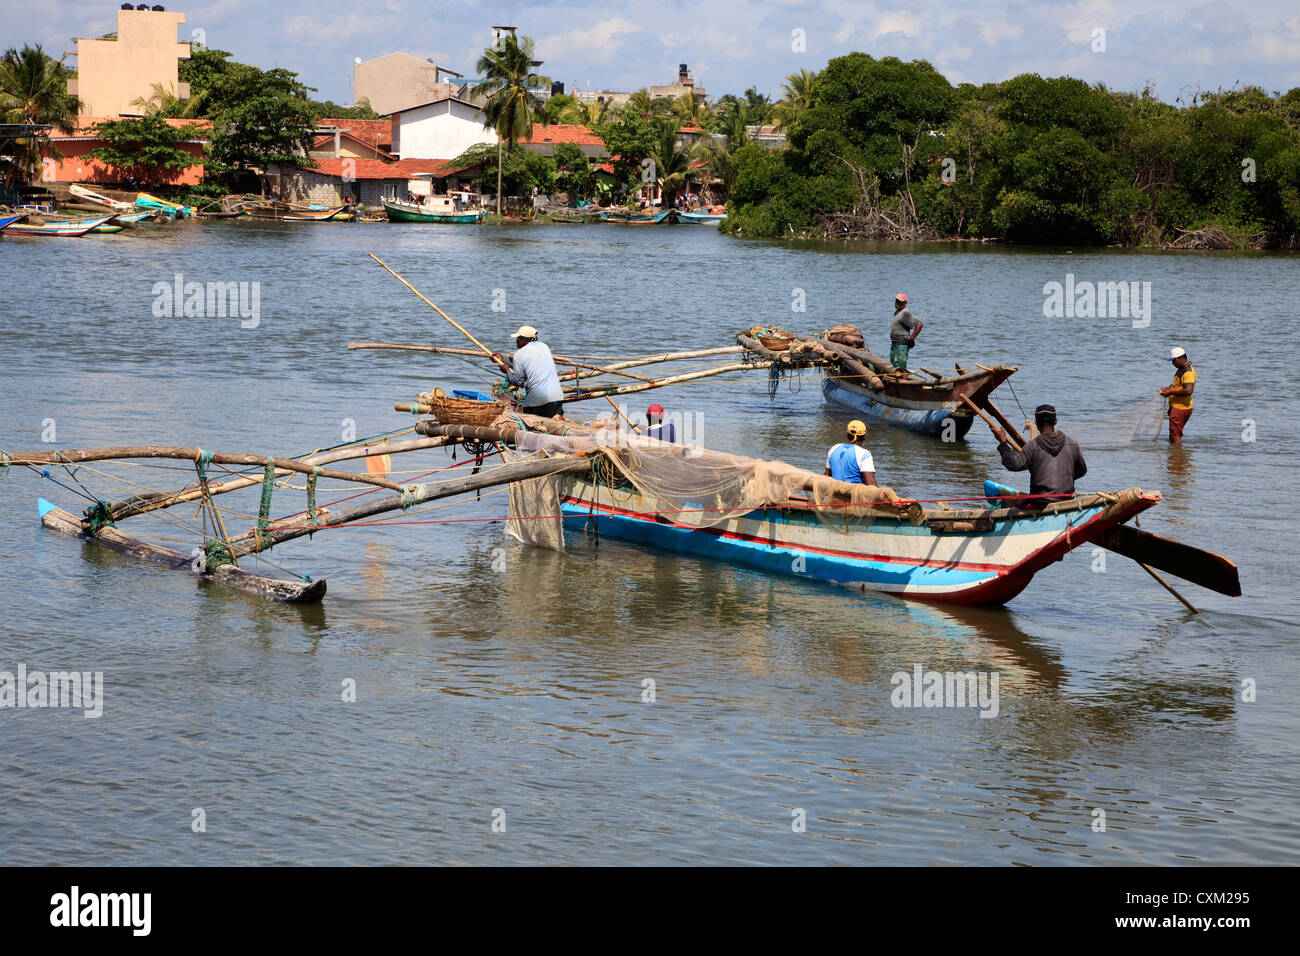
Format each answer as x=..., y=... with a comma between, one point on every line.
x=733, y=44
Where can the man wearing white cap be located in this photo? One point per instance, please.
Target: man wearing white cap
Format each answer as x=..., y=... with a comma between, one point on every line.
x=532, y=367
x=1179, y=394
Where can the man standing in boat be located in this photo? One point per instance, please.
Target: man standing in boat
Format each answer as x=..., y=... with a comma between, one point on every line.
x=655, y=426
x=903, y=331
x=849, y=460
x=1179, y=394
x=533, y=367
x=1053, y=459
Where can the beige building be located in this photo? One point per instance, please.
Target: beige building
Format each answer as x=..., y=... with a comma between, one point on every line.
x=113, y=73
x=398, y=81
x=685, y=84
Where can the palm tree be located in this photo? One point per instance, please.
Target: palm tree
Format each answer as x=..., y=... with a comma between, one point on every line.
x=34, y=90
x=720, y=160
x=797, y=97
x=689, y=109
x=589, y=113
x=757, y=107
x=508, y=83
x=672, y=163
x=166, y=103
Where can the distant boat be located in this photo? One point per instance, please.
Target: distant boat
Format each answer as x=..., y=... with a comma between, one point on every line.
x=99, y=199
x=145, y=201
x=707, y=218
x=283, y=212
x=628, y=219
x=58, y=227
x=433, y=209
x=8, y=221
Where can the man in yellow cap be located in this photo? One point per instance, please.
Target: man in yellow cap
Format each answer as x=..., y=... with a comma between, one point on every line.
x=533, y=367
x=903, y=331
x=1179, y=394
x=849, y=460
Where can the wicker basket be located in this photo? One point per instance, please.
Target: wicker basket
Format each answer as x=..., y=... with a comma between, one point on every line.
x=462, y=411
x=777, y=340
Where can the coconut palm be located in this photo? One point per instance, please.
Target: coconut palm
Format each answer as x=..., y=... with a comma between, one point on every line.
x=672, y=162
x=165, y=103
x=797, y=91
x=689, y=109
x=720, y=160
x=589, y=113
x=34, y=89
x=508, y=83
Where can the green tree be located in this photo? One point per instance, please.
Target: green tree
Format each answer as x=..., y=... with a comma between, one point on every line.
x=148, y=149
x=797, y=94
x=672, y=162
x=260, y=117
x=509, y=84
x=572, y=169
x=557, y=107
x=629, y=140
x=517, y=170
x=34, y=90
x=165, y=103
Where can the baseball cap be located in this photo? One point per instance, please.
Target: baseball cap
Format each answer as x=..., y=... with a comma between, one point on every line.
x=525, y=331
x=655, y=409
x=1176, y=352
x=900, y=297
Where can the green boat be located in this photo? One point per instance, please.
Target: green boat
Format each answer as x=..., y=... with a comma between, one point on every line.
x=433, y=209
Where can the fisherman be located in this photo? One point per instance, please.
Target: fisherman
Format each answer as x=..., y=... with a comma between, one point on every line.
x=655, y=425
x=533, y=367
x=903, y=331
x=1053, y=458
x=849, y=460
x=1179, y=394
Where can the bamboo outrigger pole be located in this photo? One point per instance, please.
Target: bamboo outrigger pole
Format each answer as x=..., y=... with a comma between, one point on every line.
x=486, y=351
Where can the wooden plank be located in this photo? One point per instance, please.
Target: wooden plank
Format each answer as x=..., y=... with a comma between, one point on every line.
x=1205, y=568
x=290, y=592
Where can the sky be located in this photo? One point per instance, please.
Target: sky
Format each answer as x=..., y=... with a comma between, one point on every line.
x=730, y=45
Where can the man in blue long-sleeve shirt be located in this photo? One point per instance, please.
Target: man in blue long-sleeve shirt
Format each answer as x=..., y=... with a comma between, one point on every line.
x=533, y=367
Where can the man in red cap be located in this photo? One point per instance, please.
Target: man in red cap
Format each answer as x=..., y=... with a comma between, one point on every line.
x=655, y=426
x=903, y=331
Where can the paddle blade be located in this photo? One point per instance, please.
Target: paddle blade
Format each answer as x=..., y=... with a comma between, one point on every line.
x=1173, y=557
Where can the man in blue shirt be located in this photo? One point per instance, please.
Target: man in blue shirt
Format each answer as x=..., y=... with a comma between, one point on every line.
x=849, y=461
x=532, y=367
x=655, y=425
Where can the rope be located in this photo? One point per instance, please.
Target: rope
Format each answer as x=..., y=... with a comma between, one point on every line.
x=311, y=497
x=264, y=511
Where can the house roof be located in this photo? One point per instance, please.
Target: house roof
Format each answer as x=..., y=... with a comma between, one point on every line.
x=326, y=141
x=433, y=102
x=372, y=132
x=378, y=169
x=563, y=133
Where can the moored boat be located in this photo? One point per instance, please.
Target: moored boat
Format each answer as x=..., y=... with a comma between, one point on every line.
x=67, y=228
x=283, y=212
x=99, y=199
x=702, y=218
x=634, y=219
x=433, y=209
x=9, y=220
x=175, y=210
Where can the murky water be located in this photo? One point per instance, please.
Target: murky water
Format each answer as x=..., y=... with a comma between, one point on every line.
x=520, y=691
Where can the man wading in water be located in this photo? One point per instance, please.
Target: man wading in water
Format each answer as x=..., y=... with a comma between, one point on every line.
x=1053, y=458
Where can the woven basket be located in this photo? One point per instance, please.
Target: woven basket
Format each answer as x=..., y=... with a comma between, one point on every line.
x=778, y=341
x=462, y=411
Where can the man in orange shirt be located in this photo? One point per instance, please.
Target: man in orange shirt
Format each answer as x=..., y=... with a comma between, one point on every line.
x=1179, y=394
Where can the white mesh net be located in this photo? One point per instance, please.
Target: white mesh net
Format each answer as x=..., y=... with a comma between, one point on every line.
x=1142, y=421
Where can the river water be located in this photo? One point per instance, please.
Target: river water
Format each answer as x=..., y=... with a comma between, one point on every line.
x=495, y=682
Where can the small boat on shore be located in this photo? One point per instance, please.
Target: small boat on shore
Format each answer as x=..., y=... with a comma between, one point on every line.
x=433, y=209
x=66, y=228
x=702, y=218
x=9, y=220
x=635, y=219
x=175, y=210
x=86, y=194
x=284, y=212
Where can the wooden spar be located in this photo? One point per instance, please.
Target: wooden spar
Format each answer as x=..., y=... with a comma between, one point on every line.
x=293, y=592
x=252, y=543
x=73, y=456
x=1017, y=445
x=840, y=354
x=936, y=375
x=559, y=359
x=192, y=492
x=486, y=351
x=675, y=357
x=1006, y=422
x=661, y=382
x=1205, y=568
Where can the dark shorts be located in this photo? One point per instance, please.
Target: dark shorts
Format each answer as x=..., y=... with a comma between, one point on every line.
x=547, y=410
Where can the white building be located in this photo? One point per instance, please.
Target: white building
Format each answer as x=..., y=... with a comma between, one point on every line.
x=441, y=129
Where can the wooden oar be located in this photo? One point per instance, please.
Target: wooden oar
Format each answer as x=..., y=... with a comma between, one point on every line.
x=1006, y=422
x=991, y=423
x=1168, y=587
x=486, y=351
x=1205, y=568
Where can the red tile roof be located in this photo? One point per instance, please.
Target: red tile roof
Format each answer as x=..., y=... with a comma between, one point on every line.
x=326, y=141
x=375, y=132
x=563, y=133
x=378, y=169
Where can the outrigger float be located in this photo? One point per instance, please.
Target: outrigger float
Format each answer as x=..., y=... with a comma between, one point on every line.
x=605, y=479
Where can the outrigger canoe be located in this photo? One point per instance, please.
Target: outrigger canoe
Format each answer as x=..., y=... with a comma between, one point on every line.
x=702, y=218
x=175, y=210
x=99, y=199
x=66, y=228
x=627, y=219
x=6, y=221
x=282, y=212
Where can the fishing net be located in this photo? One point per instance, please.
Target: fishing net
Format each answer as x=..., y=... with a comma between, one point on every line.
x=686, y=485
x=1139, y=422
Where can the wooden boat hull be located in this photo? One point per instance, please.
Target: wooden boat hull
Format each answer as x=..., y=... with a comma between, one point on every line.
x=98, y=199
x=409, y=212
x=633, y=220
x=701, y=218
x=175, y=210
x=916, y=405
x=293, y=215
x=68, y=230
x=887, y=555
x=6, y=221
x=291, y=592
